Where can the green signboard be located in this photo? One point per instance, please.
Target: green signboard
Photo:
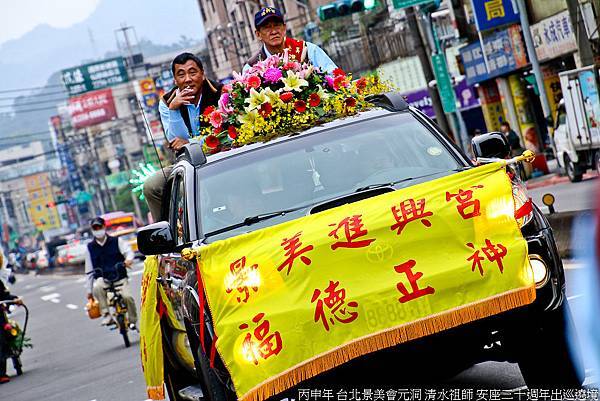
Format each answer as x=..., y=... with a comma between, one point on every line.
x=94, y=76
x=117, y=180
x=409, y=3
x=444, y=83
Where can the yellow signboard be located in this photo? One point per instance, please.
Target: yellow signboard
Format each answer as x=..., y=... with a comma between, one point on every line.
x=432, y=256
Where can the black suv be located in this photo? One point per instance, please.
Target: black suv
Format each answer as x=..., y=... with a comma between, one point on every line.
x=209, y=198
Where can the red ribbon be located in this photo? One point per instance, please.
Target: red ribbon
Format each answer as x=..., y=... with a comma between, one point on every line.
x=524, y=210
x=201, y=306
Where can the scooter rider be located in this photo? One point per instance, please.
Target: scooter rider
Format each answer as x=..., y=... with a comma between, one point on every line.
x=103, y=254
x=5, y=295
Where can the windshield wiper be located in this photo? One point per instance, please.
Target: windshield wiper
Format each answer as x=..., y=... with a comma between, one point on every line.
x=392, y=183
x=248, y=221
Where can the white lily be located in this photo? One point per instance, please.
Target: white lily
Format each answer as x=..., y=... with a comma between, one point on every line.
x=272, y=96
x=321, y=92
x=248, y=118
x=256, y=99
x=293, y=82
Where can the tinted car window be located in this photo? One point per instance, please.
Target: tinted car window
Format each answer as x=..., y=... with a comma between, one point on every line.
x=318, y=167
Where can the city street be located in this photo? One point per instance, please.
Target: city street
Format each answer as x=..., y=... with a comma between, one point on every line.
x=75, y=359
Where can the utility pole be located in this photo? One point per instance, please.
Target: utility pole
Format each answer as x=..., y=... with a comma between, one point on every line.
x=535, y=64
x=413, y=26
x=584, y=47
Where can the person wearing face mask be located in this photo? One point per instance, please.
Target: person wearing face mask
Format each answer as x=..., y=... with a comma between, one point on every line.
x=103, y=254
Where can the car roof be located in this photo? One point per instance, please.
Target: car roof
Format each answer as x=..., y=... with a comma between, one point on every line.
x=340, y=122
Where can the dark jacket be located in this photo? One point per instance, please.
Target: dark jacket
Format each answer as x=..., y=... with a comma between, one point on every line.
x=105, y=257
x=4, y=294
x=211, y=93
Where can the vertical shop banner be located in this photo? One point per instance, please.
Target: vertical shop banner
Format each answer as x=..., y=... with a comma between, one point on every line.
x=92, y=108
x=505, y=52
x=494, y=13
x=491, y=105
x=421, y=99
x=524, y=113
x=554, y=36
x=444, y=83
x=146, y=92
x=552, y=87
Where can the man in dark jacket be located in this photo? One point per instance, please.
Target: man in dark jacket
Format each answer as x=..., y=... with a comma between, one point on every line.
x=180, y=111
x=102, y=260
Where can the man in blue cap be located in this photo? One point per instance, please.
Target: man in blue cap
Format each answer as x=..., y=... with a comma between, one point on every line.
x=270, y=30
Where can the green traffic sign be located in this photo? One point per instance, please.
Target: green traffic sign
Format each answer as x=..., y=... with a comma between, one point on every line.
x=444, y=83
x=409, y=3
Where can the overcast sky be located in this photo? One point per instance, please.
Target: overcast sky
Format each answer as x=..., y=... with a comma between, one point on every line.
x=21, y=16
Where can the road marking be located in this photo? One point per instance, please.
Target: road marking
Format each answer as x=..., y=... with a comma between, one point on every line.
x=29, y=286
x=55, y=300
x=71, y=306
x=49, y=297
x=81, y=280
x=47, y=288
x=574, y=266
x=572, y=297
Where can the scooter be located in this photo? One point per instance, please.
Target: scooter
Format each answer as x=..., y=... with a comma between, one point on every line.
x=116, y=302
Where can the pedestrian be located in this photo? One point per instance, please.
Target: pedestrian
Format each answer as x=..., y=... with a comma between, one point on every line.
x=513, y=139
x=270, y=30
x=180, y=110
x=103, y=255
x=5, y=295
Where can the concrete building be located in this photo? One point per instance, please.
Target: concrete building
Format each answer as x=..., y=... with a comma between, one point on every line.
x=229, y=26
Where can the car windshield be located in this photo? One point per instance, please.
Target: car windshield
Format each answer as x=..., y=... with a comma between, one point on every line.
x=296, y=174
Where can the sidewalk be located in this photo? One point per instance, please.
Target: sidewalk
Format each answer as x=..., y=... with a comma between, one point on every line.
x=555, y=177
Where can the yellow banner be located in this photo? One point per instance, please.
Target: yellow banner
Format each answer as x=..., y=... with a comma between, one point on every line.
x=296, y=299
x=152, y=310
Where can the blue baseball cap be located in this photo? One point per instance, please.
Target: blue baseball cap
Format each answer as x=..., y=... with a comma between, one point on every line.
x=266, y=13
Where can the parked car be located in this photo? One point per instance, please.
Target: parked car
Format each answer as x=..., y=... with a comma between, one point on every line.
x=533, y=336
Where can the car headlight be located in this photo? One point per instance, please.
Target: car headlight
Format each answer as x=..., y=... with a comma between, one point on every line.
x=540, y=270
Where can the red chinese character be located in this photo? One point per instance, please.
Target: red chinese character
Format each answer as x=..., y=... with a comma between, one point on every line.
x=494, y=253
x=353, y=229
x=476, y=259
x=410, y=210
x=465, y=200
x=417, y=292
x=335, y=300
x=262, y=345
x=242, y=278
x=291, y=246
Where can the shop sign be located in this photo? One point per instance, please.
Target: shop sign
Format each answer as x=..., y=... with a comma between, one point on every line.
x=92, y=108
x=421, y=99
x=494, y=13
x=505, y=53
x=94, y=76
x=554, y=37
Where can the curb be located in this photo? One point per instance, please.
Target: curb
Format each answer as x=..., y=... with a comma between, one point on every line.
x=554, y=179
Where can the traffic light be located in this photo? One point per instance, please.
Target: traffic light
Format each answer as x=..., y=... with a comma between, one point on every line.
x=342, y=8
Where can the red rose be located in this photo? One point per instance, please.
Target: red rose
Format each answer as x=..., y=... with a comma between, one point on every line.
x=339, y=82
x=265, y=109
x=350, y=102
x=208, y=110
x=338, y=72
x=289, y=66
x=361, y=84
x=212, y=141
x=232, y=132
x=300, y=106
x=253, y=81
x=286, y=96
x=314, y=100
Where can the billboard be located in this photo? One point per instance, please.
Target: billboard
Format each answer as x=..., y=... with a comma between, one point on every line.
x=495, y=13
x=92, y=108
x=94, y=76
x=505, y=53
x=554, y=36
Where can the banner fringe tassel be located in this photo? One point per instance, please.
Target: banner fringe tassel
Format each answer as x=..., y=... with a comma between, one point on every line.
x=389, y=338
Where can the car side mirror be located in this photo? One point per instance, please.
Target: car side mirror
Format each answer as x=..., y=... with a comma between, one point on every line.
x=491, y=145
x=156, y=239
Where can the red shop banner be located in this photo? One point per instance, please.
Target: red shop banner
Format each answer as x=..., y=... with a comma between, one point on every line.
x=92, y=108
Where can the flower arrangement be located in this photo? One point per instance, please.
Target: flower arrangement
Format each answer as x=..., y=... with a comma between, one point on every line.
x=279, y=97
x=15, y=336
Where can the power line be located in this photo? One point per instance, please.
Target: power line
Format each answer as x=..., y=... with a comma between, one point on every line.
x=37, y=95
x=28, y=103
x=31, y=88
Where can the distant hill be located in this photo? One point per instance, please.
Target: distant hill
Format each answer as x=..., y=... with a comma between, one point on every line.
x=35, y=59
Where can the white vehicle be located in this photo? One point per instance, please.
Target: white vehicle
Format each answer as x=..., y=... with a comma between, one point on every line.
x=577, y=126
